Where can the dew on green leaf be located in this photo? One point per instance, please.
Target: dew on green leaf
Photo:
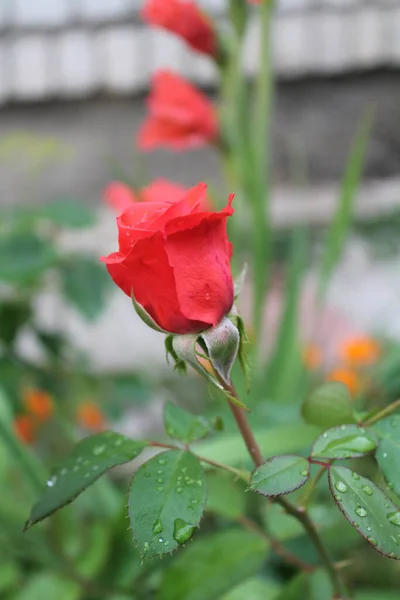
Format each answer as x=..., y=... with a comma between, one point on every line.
x=158, y=527
x=304, y=473
x=51, y=482
x=160, y=488
x=361, y=511
x=367, y=490
x=162, y=461
x=356, y=476
x=338, y=498
x=372, y=540
x=394, y=518
x=356, y=524
x=97, y=450
x=182, y=531
x=179, y=490
x=160, y=480
x=119, y=442
x=341, y=487
x=391, y=555
x=63, y=471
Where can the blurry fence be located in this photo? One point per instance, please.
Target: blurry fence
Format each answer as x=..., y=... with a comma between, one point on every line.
x=74, y=48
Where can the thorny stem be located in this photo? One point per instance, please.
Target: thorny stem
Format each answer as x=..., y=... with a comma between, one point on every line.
x=383, y=413
x=298, y=513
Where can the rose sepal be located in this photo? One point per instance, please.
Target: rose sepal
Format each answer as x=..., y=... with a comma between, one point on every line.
x=146, y=318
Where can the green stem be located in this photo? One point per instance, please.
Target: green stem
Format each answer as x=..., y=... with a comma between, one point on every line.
x=300, y=514
x=237, y=472
x=383, y=413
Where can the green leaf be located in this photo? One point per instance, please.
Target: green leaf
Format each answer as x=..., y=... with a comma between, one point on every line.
x=85, y=283
x=182, y=425
x=66, y=212
x=9, y=575
x=212, y=566
x=388, y=453
x=24, y=257
x=166, y=502
x=225, y=496
x=90, y=459
x=255, y=588
x=49, y=585
x=340, y=226
x=280, y=475
x=346, y=441
x=329, y=405
x=368, y=510
x=13, y=315
x=146, y=318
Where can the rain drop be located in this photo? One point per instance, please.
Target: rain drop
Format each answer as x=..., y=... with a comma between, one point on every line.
x=394, y=518
x=161, y=540
x=208, y=296
x=182, y=531
x=356, y=476
x=372, y=541
x=361, y=511
x=160, y=480
x=325, y=435
x=341, y=487
x=86, y=463
x=391, y=555
x=367, y=490
x=356, y=524
x=97, y=450
x=368, y=528
x=394, y=540
x=304, y=473
x=95, y=467
x=52, y=481
x=147, y=474
x=162, y=461
x=160, y=471
x=343, y=427
x=384, y=455
x=179, y=490
x=338, y=498
x=119, y=442
x=160, y=488
x=75, y=468
x=158, y=527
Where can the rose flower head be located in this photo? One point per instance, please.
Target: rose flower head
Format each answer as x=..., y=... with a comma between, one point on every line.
x=180, y=116
x=174, y=260
x=120, y=196
x=185, y=19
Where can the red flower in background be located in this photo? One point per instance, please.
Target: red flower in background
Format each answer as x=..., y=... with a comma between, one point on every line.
x=38, y=403
x=89, y=416
x=186, y=20
x=174, y=260
x=180, y=116
x=120, y=196
x=25, y=427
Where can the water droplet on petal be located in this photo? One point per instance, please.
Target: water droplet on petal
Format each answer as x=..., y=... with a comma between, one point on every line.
x=341, y=487
x=208, y=296
x=394, y=518
x=182, y=531
x=158, y=527
x=367, y=490
x=361, y=511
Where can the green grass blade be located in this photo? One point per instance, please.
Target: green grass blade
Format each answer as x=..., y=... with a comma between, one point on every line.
x=339, y=228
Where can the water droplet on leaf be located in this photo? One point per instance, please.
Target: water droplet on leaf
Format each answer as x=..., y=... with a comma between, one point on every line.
x=356, y=476
x=304, y=473
x=160, y=488
x=361, y=511
x=367, y=490
x=372, y=541
x=52, y=481
x=341, y=487
x=97, y=450
x=162, y=461
x=182, y=531
x=158, y=527
x=394, y=518
x=160, y=480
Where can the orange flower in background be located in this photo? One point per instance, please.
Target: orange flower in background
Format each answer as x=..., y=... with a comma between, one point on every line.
x=89, y=416
x=180, y=116
x=185, y=19
x=25, y=427
x=346, y=376
x=38, y=403
x=120, y=196
x=312, y=356
x=360, y=351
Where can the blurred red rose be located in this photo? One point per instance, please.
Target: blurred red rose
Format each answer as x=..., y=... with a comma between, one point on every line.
x=180, y=116
x=186, y=20
x=174, y=260
x=120, y=196
x=25, y=427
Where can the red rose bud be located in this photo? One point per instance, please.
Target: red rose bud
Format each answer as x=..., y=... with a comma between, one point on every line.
x=173, y=259
x=180, y=116
x=186, y=20
x=119, y=196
